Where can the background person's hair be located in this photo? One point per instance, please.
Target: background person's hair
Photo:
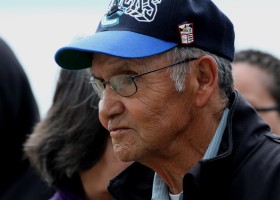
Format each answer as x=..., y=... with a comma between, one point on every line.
x=70, y=138
x=266, y=62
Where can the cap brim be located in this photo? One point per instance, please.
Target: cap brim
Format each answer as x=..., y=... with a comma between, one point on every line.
x=124, y=44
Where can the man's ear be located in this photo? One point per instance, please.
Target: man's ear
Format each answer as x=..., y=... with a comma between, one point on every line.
x=206, y=77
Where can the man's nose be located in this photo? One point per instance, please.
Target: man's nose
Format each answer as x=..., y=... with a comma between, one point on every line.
x=110, y=105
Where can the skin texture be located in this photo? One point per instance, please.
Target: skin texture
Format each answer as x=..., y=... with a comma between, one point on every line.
x=165, y=130
x=253, y=83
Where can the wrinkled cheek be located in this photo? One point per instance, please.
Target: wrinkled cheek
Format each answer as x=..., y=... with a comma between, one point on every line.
x=102, y=115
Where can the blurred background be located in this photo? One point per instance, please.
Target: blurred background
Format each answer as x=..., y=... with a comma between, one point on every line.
x=35, y=29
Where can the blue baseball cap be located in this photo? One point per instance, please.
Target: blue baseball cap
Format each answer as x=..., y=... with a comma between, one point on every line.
x=137, y=29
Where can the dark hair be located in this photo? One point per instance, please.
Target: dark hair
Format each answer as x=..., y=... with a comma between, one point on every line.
x=70, y=138
x=265, y=62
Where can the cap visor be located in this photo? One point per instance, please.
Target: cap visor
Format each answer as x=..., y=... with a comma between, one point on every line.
x=124, y=44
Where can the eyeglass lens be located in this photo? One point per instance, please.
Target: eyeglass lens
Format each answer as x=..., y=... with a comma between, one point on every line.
x=123, y=84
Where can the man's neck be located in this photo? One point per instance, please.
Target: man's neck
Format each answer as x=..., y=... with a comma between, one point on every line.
x=186, y=152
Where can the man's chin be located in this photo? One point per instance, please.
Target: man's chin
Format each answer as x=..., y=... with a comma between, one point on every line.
x=124, y=154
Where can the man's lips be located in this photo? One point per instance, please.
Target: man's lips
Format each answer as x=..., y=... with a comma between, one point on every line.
x=117, y=131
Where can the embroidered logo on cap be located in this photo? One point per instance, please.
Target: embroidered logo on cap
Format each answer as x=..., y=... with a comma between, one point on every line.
x=186, y=33
x=141, y=10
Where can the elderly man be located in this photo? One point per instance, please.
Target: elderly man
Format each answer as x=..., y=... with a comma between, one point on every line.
x=162, y=70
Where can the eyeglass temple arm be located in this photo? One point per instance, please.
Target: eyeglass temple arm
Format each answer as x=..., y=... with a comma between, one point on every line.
x=177, y=63
x=268, y=109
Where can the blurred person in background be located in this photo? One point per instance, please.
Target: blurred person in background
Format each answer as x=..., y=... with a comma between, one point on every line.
x=18, y=114
x=70, y=148
x=256, y=76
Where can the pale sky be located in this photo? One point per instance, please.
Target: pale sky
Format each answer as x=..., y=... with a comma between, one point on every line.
x=35, y=29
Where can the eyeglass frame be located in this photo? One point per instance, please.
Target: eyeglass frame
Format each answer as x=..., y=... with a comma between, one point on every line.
x=132, y=77
x=268, y=109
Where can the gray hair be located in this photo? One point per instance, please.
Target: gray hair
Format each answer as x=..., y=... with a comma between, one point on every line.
x=178, y=73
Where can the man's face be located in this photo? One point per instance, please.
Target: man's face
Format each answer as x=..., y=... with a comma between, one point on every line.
x=147, y=124
x=253, y=84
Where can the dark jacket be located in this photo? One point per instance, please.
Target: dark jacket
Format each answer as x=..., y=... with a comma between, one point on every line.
x=18, y=115
x=247, y=166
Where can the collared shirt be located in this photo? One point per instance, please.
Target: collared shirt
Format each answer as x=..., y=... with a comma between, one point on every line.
x=160, y=189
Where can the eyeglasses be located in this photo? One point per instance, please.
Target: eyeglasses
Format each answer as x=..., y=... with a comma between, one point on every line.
x=268, y=109
x=123, y=84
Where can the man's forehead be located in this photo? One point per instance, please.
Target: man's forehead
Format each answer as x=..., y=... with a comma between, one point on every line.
x=102, y=63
